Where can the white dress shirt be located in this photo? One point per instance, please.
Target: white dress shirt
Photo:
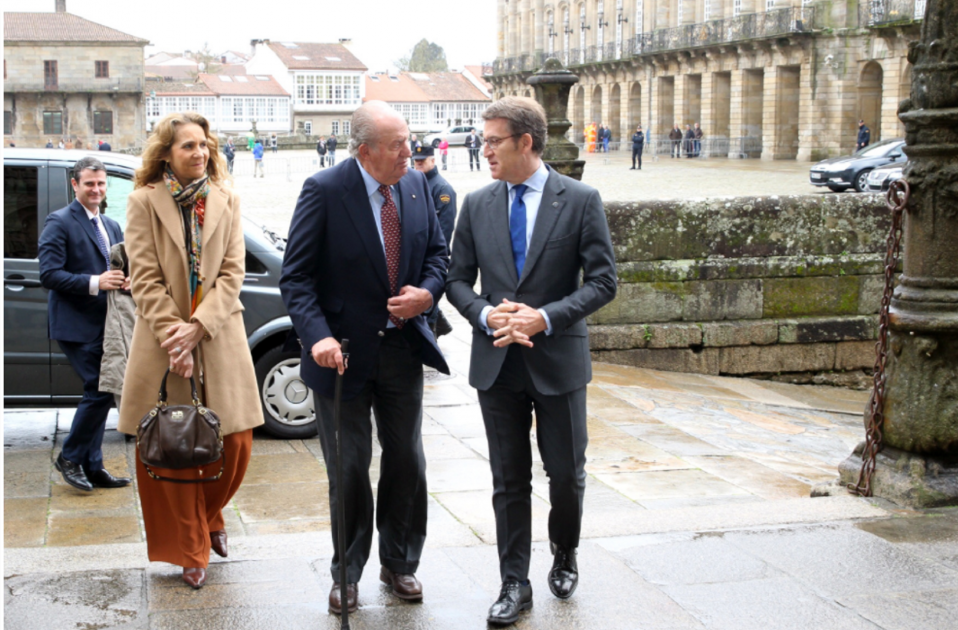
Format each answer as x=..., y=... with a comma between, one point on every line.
x=532, y=198
x=95, y=280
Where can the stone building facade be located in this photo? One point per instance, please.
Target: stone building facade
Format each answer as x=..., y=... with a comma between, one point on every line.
x=776, y=79
x=68, y=78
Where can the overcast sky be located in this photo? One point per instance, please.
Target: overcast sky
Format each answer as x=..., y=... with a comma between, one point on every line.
x=382, y=31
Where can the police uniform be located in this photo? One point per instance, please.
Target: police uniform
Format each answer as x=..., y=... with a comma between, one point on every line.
x=444, y=198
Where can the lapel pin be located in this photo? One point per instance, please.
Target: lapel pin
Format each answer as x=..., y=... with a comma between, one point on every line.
x=555, y=204
x=414, y=196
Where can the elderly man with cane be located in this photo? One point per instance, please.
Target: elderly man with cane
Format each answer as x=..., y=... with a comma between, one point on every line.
x=365, y=260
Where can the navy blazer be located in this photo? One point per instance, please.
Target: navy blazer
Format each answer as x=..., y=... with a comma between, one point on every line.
x=69, y=254
x=334, y=280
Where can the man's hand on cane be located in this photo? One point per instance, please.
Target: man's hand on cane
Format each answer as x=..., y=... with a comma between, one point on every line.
x=328, y=353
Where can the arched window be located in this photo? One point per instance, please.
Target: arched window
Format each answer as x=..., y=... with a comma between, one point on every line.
x=618, y=28
x=600, y=26
x=551, y=45
x=639, y=10
x=582, y=27
x=566, y=30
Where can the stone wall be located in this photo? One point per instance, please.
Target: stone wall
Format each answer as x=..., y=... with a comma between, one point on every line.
x=748, y=285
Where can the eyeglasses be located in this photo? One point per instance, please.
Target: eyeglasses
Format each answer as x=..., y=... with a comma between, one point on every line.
x=494, y=143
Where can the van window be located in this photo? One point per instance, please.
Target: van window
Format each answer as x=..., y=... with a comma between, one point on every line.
x=118, y=188
x=20, y=223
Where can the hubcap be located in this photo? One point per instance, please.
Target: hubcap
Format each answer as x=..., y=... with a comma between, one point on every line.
x=287, y=398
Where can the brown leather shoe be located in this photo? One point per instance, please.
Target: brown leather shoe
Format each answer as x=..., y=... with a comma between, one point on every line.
x=404, y=585
x=195, y=577
x=352, y=598
x=218, y=543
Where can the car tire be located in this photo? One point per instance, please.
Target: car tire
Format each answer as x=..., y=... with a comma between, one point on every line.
x=836, y=188
x=287, y=401
x=435, y=144
x=861, y=180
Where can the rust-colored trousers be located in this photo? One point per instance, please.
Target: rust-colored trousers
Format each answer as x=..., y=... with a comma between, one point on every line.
x=179, y=517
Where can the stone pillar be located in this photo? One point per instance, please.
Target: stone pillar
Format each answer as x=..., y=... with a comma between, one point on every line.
x=501, y=28
x=809, y=110
x=736, y=120
x=918, y=466
x=708, y=110
x=770, y=105
x=681, y=108
x=540, y=24
x=553, y=84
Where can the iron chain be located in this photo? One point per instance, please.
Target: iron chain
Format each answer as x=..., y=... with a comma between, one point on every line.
x=898, y=196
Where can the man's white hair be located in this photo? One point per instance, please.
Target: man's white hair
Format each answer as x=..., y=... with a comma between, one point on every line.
x=364, y=128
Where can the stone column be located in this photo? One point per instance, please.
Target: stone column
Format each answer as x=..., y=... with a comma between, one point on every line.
x=918, y=465
x=708, y=111
x=501, y=26
x=540, y=40
x=809, y=111
x=681, y=108
x=736, y=120
x=770, y=105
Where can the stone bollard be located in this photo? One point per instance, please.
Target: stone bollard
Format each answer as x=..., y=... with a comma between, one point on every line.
x=918, y=465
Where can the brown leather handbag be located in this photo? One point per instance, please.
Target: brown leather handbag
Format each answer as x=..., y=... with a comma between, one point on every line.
x=180, y=436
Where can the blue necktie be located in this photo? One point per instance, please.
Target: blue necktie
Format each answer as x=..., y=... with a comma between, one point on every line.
x=517, y=228
x=101, y=241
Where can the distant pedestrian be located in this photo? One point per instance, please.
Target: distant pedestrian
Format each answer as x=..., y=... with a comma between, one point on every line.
x=69, y=144
x=443, y=151
x=230, y=152
x=74, y=256
x=473, y=143
x=258, y=159
x=606, y=138
x=49, y=144
x=105, y=146
x=321, y=150
x=331, y=147
x=414, y=144
x=699, y=134
x=274, y=142
x=638, y=144
x=864, y=135
x=689, y=141
x=250, y=143
x=675, y=136
x=61, y=145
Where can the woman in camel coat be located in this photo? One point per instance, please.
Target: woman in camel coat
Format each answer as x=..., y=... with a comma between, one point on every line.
x=187, y=263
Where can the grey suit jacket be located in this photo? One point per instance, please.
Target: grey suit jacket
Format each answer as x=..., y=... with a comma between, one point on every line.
x=570, y=238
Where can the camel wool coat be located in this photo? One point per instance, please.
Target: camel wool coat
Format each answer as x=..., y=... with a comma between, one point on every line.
x=156, y=245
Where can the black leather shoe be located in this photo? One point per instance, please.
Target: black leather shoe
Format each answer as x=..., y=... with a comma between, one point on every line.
x=564, y=576
x=514, y=598
x=443, y=327
x=103, y=479
x=73, y=474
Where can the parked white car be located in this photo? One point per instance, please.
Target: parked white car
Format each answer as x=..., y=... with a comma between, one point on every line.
x=456, y=136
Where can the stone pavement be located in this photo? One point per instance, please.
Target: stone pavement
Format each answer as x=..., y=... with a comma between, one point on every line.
x=271, y=200
x=697, y=515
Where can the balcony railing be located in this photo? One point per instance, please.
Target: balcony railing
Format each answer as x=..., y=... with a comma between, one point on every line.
x=76, y=86
x=889, y=12
x=763, y=25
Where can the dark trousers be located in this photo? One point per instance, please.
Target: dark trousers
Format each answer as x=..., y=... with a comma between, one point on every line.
x=394, y=394
x=83, y=444
x=322, y=160
x=676, y=148
x=507, y=409
x=636, y=155
x=474, y=155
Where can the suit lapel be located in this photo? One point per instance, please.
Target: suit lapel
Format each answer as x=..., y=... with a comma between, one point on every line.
x=360, y=212
x=169, y=215
x=498, y=213
x=549, y=209
x=79, y=213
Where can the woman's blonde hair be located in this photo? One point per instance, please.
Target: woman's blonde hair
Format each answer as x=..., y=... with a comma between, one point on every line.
x=161, y=141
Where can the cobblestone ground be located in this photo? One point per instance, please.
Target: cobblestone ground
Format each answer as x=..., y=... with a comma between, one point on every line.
x=271, y=200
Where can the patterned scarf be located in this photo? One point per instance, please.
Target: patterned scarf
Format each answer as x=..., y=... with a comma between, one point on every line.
x=191, y=198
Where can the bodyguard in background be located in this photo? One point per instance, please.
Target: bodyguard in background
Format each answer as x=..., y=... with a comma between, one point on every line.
x=364, y=261
x=864, y=135
x=638, y=144
x=541, y=244
x=473, y=143
x=75, y=266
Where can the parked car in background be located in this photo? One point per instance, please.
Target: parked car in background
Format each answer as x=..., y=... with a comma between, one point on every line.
x=36, y=182
x=455, y=136
x=842, y=173
x=881, y=178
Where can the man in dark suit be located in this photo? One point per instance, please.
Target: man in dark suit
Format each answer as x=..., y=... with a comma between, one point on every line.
x=530, y=236
x=364, y=261
x=864, y=136
x=75, y=267
x=473, y=143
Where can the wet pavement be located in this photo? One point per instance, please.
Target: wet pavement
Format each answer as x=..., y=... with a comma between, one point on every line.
x=697, y=515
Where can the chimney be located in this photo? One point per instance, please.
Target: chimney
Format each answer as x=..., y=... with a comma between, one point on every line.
x=61, y=6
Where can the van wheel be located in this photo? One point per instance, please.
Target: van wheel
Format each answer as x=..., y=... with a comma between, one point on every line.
x=287, y=401
x=435, y=144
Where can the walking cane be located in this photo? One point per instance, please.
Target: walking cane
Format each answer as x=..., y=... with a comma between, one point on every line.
x=341, y=516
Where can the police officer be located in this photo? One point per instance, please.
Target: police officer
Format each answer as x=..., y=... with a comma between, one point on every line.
x=444, y=198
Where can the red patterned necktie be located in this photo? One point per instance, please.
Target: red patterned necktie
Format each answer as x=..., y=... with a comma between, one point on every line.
x=391, y=239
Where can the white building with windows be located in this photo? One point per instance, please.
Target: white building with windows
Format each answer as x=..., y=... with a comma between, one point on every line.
x=325, y=82
x=230, y=102
x=430, y=101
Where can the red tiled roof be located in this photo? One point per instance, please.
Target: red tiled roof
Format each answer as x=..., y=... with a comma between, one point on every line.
x=177, y=88
x=403, y=89
x=60, y=27
x=253, y=86
x=309, y=56
x=422, y=87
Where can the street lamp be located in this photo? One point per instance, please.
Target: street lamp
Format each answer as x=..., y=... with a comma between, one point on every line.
x=620, y=19
x=601, y=22
x=582, y=25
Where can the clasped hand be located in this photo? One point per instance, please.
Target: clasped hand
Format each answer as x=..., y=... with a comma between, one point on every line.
x=182, y=339
x=411, y=302
x=514, y=322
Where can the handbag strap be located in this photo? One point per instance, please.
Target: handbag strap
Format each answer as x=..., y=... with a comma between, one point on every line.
x=161, y=399
x=153, y=475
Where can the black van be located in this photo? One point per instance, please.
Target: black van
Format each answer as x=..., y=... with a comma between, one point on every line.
x=36, y=182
